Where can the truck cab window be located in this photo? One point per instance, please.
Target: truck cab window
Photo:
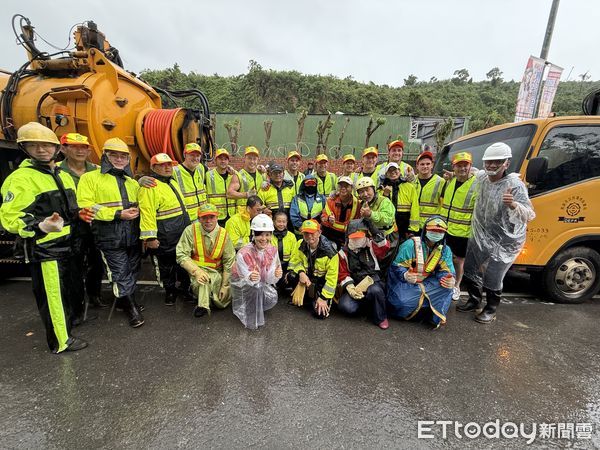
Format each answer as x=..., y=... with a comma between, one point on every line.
x=573, y=154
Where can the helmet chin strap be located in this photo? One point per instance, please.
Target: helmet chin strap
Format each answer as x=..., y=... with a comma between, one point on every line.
x=493, y=173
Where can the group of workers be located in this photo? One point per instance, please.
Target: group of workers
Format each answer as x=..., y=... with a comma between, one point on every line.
x=383, y=240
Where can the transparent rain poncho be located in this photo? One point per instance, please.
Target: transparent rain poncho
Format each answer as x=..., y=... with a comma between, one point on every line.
x=250, y=299
x=498, y=232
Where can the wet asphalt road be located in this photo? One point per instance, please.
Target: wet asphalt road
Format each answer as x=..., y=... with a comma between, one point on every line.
x=298, y=382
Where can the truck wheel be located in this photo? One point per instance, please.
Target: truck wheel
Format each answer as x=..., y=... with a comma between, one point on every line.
x=573, y=275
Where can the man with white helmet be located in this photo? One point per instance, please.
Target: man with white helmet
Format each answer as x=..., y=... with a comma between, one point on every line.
x=39, y=205
x=498, y=228
x=253, y=276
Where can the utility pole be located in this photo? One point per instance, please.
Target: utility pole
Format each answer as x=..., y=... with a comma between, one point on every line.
x=549, y=29
x=545, y=49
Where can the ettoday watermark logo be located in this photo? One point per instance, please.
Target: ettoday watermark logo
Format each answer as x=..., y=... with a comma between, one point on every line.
x=445, y=429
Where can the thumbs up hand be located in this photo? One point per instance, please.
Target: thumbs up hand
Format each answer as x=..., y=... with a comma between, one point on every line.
x=508, y=199
x=54, y=223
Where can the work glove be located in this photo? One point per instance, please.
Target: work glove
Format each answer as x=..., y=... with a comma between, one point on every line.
x=364, y=284
x=87, y=214
x=411, y=277
x=298, y=295
x=147, y=181
x=51, y=224
x=448, y=282
x=356, y=295
x=201, y=276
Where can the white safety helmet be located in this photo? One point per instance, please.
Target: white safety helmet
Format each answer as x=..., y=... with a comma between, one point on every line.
x=497, y=151
x=262, y=222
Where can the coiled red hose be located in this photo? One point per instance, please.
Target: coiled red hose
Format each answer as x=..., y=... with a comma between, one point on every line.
x=157, y=131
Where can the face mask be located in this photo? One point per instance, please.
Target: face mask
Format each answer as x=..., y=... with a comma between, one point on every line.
x=493, y=173
x=434, y=236
x=357, y=243
x=310, y=190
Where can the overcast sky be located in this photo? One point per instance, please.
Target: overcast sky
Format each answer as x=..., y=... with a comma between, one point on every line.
x=374, y=40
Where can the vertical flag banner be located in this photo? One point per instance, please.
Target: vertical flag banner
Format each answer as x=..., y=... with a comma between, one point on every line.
x=529, y=89
x=549, y=91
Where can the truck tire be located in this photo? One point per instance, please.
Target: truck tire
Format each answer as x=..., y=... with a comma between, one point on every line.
x=572, y=276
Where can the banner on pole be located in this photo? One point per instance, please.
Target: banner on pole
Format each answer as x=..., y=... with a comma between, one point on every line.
x=549, y=91
x=530, y=85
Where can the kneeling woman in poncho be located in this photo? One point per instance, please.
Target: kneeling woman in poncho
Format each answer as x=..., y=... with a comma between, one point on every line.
x=256, y=270
x=422, y=275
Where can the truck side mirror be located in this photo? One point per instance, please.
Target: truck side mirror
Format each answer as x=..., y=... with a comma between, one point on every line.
x=536, y=170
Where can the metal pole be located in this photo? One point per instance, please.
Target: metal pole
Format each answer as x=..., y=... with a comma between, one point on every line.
x=549, y=29
x=545, y=49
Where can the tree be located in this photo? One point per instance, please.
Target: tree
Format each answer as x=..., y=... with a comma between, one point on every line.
x=323, y=131
x=268, y=128
x=461, y=76
x=411, y=80
x=346, y=122
x=374, y=123
x=301, y=119
x=442, y=131
x=233, y=130
x=495, y=76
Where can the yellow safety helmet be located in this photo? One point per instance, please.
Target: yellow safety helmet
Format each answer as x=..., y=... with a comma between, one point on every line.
x=294, y=154
x=321, y=157
x=251, y=150
x=74, y=139
x=365, y=182
x=436, y=223
x=349, y=157
x=161, y=158
x=115, y=145
x=221, y=152
x=191, y=147
x=36, y=132
x=208, y=209
x=462, y=156
x=370, y=151
x=310, y=226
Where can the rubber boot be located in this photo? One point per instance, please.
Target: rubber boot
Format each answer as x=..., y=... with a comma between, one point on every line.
x=170, y=298
x=488, y=315
x=133, y=313
x=475, y=296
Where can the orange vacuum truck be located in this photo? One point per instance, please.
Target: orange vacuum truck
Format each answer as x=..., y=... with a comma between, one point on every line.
x=87, y=90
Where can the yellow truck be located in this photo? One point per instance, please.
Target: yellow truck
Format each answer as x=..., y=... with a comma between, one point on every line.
x=559, y=158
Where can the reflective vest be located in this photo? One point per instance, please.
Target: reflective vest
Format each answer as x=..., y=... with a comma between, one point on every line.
x=333, y=207
x=162, y=213
x=285, y=246
x=458, y=205
x=216, y=194
x=315, y=211
x=287, y=176
x=329, y=185
x=376, y=176
x=247, y=183
x=192, y=187
x=321, y=266
x=425, y=267
x=278, y=199
x=429, y=197
x=202, y=257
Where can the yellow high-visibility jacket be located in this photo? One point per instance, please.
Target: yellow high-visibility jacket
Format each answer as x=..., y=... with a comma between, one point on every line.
x=429, y=197
x=163, y=215
x=321, y=267
x=457, y=206
x=216, y=193
x=108, y=195
x=191, y=185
